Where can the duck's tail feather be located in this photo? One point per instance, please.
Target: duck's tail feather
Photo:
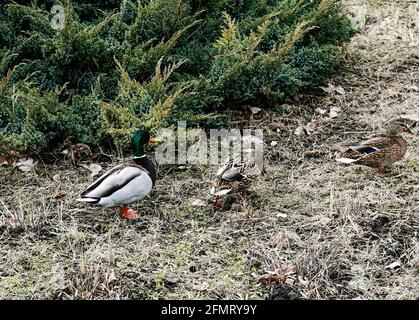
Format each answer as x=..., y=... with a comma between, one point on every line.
x=219, y=192
x=89, y=200
x=346, y=160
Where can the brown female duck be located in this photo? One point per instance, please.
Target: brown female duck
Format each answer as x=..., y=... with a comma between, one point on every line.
x=379, y=152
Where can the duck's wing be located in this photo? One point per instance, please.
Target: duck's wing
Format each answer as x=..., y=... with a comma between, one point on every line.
x=234, y=174
x=365, y=149
x=231, y=171
x=379, y=143
x=112, y=181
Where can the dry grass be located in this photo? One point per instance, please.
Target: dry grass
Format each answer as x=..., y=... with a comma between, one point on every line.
x=318, y=230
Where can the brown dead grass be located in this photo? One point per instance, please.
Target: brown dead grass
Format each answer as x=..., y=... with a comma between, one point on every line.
x=318, y=230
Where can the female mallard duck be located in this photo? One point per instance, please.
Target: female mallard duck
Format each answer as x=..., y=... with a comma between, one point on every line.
x=379, y=152
x=125, y=183
x=236, y=175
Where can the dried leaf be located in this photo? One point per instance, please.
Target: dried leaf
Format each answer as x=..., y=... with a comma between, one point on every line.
x=255, y=110
x=285, y=275
x=299, y=131
x=3, y=161
x=394, y=265
x=80, y=149
x=57, y=178
x=324, y=220
x=111, y=276
x=199, y=203
x=332, y=88
x=321, y=111
x=93, y=168
x=327, y=89
x=333, y=113
x=297, y=97
x=339, y=89
x=60, y=195
x=412, y=117
x=201, y=286
x=172, y=280
x=274, y=143
x=312, y=126
x=25, y=164
x=272, y=278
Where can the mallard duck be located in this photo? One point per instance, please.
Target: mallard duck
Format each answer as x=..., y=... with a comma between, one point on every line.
x=235, y=176
x=379, y=152
x=125, y=183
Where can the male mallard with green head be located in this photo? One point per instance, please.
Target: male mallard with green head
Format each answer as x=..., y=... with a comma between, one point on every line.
x=379, y=152
x=125, y=183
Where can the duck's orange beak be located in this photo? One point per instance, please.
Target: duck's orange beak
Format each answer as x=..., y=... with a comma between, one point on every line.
x=152, y=139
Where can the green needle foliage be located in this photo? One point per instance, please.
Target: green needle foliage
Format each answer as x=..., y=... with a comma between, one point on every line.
x=121, y=64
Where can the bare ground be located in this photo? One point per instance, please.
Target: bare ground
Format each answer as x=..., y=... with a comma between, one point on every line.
x=317, y=229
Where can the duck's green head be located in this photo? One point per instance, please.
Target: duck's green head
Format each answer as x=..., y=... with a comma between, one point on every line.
x=139, y=139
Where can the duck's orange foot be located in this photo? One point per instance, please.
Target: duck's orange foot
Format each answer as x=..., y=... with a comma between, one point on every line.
x=381, y=170
x=243, y=200
x=217, y=202
x=129, y=214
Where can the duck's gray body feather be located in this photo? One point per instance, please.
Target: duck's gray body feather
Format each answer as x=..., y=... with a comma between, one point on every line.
x=119, y=186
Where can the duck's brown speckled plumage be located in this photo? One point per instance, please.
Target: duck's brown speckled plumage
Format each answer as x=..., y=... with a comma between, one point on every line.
x=390, y=150
x=235, y=175
x=378, y=152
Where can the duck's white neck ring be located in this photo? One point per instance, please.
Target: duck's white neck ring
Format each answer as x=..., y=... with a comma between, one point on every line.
x=143, y=156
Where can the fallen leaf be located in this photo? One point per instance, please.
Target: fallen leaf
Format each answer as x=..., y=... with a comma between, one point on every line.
x=339, y=89
x=286, y=274
x=93, y=168
x=274, y=143
x=272, y=278
x=60, y=195
x=313, y=125
x=324, y=220
x=3, y=161
x=25, y=164
x=332, y=88
x=299, y=131
x=198, y=203
x=412, y=117
x=333, y=113
x=390, y=93
x=321, y=111
x=57, y=178
x=327, y=89
x=281, y=215
x=255, y=110
x=394, y=265
x=201, y=286
x=111, y=276
x=74, y=151
x=297, y=97
x=288, y=269
x=282, y=240
x=172, y=280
